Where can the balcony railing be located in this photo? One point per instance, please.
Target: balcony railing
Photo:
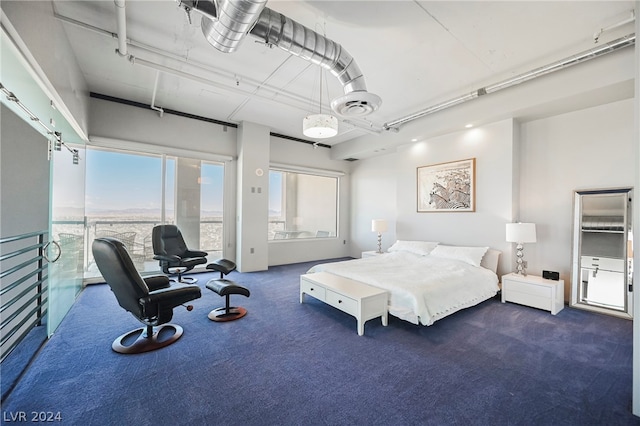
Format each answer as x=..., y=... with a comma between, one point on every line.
x=135, y=234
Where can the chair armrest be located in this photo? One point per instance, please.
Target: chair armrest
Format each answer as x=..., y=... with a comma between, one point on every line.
x=157, y=282
x=167, y=257
x=195, y=253
x=170, y=297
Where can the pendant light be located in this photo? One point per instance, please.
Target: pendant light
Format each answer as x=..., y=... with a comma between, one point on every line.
x=320, y=126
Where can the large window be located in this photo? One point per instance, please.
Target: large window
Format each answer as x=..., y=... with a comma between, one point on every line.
x=127, y=194
x=302, y=205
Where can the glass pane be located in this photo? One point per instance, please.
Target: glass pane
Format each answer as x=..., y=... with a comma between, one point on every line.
x=124, y=200
x=302, y=205
x=67, y=229
x=211, y=203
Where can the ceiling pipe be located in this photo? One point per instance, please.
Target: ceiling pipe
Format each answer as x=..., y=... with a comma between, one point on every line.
x=121, y=21
x=593, y=53
x=153, y=98
x=226, y=22
x=234, y=19
x=597, y=34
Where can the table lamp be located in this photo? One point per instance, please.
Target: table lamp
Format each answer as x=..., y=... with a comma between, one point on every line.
x=379, y=226
x=521, y=233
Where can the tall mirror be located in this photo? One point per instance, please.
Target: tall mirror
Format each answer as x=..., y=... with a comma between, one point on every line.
x=602, y=276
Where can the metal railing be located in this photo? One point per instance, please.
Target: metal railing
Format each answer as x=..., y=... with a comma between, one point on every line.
x=136, y=234
x=23, y=287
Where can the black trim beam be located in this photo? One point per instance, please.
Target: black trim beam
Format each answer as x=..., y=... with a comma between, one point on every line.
x=198, y=117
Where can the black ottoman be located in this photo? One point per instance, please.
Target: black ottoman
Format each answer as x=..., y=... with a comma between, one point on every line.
x=226, y=288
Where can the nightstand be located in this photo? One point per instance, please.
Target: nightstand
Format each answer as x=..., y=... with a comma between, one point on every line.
x=371, y=253
x=534, y=291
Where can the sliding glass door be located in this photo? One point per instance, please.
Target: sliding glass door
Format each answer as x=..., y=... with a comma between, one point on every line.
x=66, y=233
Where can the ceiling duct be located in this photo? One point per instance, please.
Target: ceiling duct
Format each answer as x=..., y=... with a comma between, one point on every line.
x=622, y=42
x=226, y=22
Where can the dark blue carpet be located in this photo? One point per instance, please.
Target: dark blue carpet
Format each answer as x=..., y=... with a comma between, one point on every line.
x=16, y=363
x=288, y=363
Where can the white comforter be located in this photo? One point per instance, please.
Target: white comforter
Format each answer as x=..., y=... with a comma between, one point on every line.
x=423, y=289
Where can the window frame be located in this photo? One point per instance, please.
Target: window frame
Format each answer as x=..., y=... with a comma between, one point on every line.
x=337, y=175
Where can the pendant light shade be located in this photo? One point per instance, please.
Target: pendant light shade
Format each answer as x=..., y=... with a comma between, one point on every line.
x=320, y=126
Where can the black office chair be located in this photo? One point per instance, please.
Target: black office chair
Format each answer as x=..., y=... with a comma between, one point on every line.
x=172, y=252
x=151, y=300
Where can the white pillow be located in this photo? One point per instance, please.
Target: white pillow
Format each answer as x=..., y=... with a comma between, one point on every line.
x=421, y=248
x=471, y=255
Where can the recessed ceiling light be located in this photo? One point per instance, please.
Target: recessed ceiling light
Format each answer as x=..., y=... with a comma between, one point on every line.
x=468, y=126
x=414, y=140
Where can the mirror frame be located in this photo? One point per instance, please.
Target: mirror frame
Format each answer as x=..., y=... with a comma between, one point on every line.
x=577, y=253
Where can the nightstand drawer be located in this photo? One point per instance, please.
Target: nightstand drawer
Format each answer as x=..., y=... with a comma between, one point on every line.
x=530, y=290
x=342, y=302
x=527, y=288
x=312, y=289
x=539, y=302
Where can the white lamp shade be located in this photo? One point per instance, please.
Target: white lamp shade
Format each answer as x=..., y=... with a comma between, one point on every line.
x=379, y=226
x=521, y=232
x=320, y=126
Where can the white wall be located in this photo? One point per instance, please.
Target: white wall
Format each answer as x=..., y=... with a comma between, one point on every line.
x=127, y=123
x=385, y=188
x=252, y=253
x=524, y=172
x=587, y=149
x=373, y=196
x=24, y=169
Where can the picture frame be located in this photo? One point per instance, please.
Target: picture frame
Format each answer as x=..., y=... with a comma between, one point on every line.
x=447, y=187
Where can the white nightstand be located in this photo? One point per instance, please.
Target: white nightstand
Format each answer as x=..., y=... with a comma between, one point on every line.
x=371, y=253
x=534, y=291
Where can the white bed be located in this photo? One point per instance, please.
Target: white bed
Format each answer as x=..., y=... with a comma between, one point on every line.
x=426, y=281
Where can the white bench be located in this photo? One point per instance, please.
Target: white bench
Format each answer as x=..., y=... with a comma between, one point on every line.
x=353, y=297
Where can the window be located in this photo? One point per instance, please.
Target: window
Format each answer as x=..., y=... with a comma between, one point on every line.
x=302, y=205
x=127, y=194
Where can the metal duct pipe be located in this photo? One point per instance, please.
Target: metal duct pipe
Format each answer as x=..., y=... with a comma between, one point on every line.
x=235, y=18
x=121, y=21
x=612, y=46
x=278, y=30
x=225, y=23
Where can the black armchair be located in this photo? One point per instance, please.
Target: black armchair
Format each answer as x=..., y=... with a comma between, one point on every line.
x=151, y=300
x=175, y=258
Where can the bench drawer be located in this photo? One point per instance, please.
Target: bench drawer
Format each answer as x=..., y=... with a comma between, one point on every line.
x=342, y=302
x=313, y=289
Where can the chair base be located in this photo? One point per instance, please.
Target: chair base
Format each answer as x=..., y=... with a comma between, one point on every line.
x=184, y=280
x=137, y=341
x=227, y=314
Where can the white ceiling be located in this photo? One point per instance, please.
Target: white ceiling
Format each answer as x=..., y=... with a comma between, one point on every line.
x=413, y=54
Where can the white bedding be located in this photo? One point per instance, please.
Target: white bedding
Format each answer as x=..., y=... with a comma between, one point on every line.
x=423, y=289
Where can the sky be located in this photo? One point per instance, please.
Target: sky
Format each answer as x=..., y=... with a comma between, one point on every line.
x=118, y=181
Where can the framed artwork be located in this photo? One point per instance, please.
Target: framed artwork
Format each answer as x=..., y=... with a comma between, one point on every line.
x=447, y=187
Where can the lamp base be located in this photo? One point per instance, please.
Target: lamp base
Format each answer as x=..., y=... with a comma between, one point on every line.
x=521, y=264
x=379, y=243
